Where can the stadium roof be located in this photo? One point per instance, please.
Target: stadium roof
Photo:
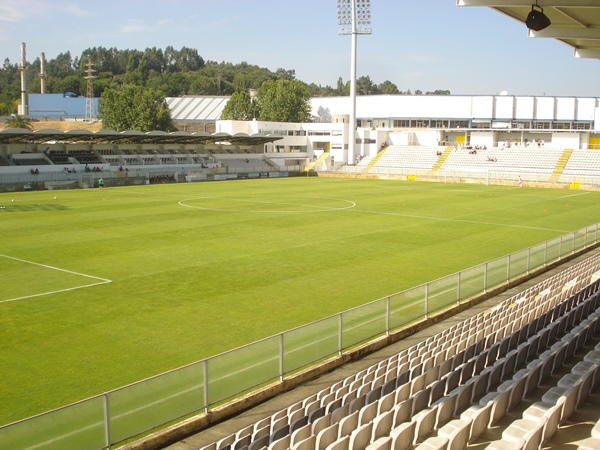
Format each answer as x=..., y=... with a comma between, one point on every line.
x=574, y=22
x=48, y=135
x=196, y=107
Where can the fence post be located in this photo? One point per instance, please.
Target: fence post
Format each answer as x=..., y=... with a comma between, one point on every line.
x=205, y=370
x=458, y=289
x=106, y=421
x=281, y=348
x=340, y=332
x=426, y=300
x=485, y=277
x=560, y=255
x=388, y=308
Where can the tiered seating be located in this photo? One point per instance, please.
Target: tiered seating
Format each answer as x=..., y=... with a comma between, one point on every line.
x=86, y=157
x=364, y=162
x=242, y=164
x=58, y=157
x=583, y=163
x=408, y=157
x=444, y=391
x=31, y=161
x=514, y=160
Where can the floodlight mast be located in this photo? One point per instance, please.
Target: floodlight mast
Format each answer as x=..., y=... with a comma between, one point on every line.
x=348, y=12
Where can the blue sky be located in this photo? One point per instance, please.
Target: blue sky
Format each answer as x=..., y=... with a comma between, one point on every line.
x=416, y=44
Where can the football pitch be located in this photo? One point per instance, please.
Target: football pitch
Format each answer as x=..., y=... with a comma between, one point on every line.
x=102, y=288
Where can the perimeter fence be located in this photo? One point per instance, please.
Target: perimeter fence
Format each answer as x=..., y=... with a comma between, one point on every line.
x=106, y=420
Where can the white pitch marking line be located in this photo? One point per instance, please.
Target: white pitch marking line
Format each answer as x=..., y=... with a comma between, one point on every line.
x=442, y=219
x=100, y=280
x=574, y=195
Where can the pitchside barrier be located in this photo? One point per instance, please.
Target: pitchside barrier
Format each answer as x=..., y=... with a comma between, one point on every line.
x=105, y=420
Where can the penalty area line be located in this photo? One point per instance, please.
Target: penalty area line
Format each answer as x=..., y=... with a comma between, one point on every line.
x=100, y=280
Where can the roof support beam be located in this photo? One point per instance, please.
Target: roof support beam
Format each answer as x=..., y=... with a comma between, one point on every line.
x=566, y=33
x=528, y=3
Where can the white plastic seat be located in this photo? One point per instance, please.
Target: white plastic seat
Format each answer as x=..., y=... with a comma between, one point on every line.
x=280, y=444
x=361, y=437
x=457, y=432
x=348, y=424
x=499, y=402
x=570, y=394
x=402, y=412
x=425, y=423
x=590, y=444
x=382, y=425
x=480, y=419
x=433, y=443
x=504, y=444
x=339, y=444
x=403, y=435
x=327, y=436
x=552, y=413
x=383, y=443
x=529, y=431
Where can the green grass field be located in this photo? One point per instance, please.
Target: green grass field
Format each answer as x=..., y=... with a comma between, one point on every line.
x=102, y=288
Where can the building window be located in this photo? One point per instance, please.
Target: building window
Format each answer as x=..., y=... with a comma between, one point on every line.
x=401, y=123
x=520, y=124
x=541, y=125
x=582, y=126
x=459, y=124
x=561, y=125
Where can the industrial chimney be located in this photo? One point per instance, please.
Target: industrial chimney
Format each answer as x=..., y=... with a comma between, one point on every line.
x=42, y=73
x=24, y=103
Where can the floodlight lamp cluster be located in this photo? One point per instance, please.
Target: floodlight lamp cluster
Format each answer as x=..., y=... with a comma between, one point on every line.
x=362, y=14
x=536, y=19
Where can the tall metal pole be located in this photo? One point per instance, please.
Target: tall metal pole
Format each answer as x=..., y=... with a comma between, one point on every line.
x=354, y=18
x=352, y=124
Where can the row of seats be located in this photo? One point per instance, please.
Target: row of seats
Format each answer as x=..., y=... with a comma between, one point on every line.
x=541, y=420
x=510, y=160
x=506, y=388
x=409, y=157
x=421, y=389
x=583, y=162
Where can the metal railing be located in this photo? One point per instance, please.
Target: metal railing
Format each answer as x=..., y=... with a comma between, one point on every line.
x=105, y=420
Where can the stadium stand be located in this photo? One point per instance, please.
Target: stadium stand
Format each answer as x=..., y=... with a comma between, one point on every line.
x=515, y=160
x=408, y=157
x=583, y=163
x=511, y=375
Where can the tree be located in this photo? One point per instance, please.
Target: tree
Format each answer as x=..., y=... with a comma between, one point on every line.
x=342, y=88
x=283, y=101
x=324, y=115
x=388, y=88
x=17, y=121
x=365, y=86
x=238, y=107
x=134, y=108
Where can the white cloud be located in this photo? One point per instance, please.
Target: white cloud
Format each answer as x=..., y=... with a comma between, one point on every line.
x=13, y=12
x=135, y=26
